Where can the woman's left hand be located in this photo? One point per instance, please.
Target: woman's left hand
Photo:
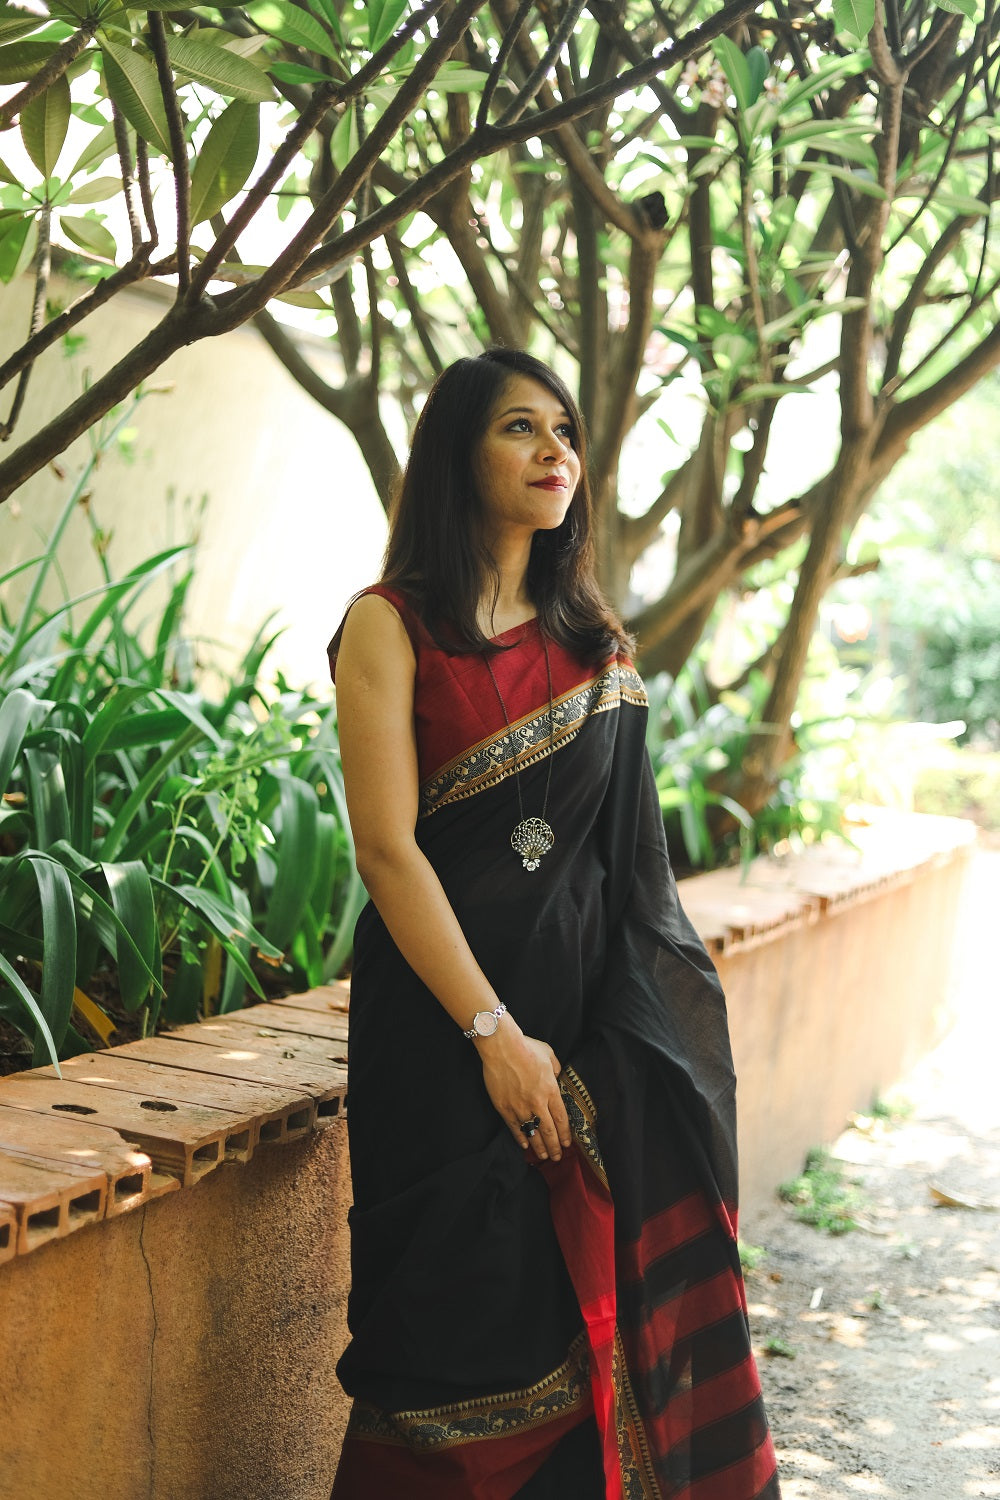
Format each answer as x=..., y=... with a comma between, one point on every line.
x=521, y=1074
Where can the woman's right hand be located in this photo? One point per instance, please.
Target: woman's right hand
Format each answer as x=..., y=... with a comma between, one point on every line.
x=521, y=1075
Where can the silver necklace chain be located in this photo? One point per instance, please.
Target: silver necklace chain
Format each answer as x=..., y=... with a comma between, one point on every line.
x=533, y=837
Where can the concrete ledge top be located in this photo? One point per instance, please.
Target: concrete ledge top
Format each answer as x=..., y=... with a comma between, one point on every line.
x=131, y=1123
x=733, y=909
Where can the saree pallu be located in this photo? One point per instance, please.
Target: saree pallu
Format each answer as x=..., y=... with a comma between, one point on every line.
x=498, y=1304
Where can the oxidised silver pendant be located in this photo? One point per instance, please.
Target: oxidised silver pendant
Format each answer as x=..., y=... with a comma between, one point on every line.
x=531, y=839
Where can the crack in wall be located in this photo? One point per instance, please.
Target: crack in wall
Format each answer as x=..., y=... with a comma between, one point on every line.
x=152, y=1355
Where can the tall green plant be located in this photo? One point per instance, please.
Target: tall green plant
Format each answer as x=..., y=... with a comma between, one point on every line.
x=157, y=843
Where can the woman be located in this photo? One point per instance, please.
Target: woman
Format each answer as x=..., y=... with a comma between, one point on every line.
x=546, y=1296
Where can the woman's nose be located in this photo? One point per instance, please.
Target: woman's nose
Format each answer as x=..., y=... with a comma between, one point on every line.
x=553, y=447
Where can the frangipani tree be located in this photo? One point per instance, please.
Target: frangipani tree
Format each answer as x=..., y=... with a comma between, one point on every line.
x=744, y=201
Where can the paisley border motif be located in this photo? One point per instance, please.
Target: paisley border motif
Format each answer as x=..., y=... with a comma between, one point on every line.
x=526, y=741
x=437, y=1428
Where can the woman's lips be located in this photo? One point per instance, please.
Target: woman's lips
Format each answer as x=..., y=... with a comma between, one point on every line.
x=548, y=484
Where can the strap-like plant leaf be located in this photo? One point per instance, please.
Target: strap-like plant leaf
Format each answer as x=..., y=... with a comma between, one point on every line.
x=16, y=713
x=290, y=23
x=47, y=797
x=58, y=913
x=44, y=123
x=230, y=927
x=219, y=69
x=296, y=859
x=225, y=160
x=135, y=88
x=17, y=984
x=132, y=899
x=233, y=989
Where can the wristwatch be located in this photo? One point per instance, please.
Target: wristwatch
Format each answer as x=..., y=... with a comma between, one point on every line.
x=485, y=1022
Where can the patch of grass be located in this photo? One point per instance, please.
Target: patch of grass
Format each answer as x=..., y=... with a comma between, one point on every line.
x=892, y=1108
x=778, y=1347
x=750, y=1255
x=823, y=1196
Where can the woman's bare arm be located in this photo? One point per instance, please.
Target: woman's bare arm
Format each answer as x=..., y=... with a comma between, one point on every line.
x=375, y=684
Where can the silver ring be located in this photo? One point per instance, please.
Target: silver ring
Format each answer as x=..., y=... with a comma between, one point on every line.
x=529, y=1127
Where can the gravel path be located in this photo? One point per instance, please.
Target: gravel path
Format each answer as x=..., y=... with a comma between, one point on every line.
x=889, y=1385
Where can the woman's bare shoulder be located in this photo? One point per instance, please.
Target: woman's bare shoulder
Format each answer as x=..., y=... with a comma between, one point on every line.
x=374, y=635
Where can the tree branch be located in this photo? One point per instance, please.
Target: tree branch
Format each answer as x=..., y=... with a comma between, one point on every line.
x=536, y=78
x=510, y=35
x=128, y=177
x=51, y=70
x=486, y=142
x=43, y=266
x=178, y=149
x=322, y=100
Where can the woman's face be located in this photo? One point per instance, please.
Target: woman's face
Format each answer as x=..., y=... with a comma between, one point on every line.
x=526, y=467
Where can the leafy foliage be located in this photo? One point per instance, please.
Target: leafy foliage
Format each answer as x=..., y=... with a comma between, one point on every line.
x=157, y=844
x=709, y=212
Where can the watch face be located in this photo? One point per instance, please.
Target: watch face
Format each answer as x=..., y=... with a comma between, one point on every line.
x=484, y=1023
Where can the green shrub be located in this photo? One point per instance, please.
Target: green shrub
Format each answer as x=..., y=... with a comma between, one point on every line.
x=161, y=848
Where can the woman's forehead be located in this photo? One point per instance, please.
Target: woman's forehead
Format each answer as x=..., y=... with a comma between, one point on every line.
x=524, y=393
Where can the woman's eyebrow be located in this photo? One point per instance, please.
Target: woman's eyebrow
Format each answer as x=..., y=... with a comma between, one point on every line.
x=531, y=411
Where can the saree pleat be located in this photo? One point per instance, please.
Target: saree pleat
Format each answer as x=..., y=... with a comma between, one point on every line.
x=497, y=1307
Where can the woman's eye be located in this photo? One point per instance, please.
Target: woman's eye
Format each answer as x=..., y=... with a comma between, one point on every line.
x=520, y=424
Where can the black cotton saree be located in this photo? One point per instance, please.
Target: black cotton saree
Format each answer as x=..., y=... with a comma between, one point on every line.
x=497, y=1305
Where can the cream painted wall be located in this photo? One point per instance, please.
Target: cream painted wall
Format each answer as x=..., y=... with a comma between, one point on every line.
x=291, y=523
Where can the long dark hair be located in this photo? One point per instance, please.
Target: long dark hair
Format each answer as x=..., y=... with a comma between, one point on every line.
x=437, y=552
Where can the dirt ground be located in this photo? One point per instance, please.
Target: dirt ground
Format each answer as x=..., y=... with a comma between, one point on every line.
x=879, y=1350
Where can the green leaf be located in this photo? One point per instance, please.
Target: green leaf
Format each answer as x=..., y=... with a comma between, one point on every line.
x=758, y=67
x=101, y=146
x=90, y=235
x=132, y=900
x=344, y=142
x=44, y=123
x=291, y=24
x=297, y=73
x=305, y=298
x=16, y=713
x=734, y=65
x=383, y=18
x=219, y=69
x=27, y=998
x=296, y=860
x=961, y=203
x=47, y=796
x=860, y=181
x=98, y=190
x=58, y=912
x=855, y=17
x=14, y=23
x=967, y=8
x=233, y=990
x=21, y=60
x=134, y=86
x=226, y=159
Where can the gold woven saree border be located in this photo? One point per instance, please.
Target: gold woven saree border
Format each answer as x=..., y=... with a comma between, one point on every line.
x=583, y=1121
x=526, y=741
x=441, y=1427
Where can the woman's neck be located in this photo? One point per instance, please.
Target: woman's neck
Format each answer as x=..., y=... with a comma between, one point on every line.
x=513, y=603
